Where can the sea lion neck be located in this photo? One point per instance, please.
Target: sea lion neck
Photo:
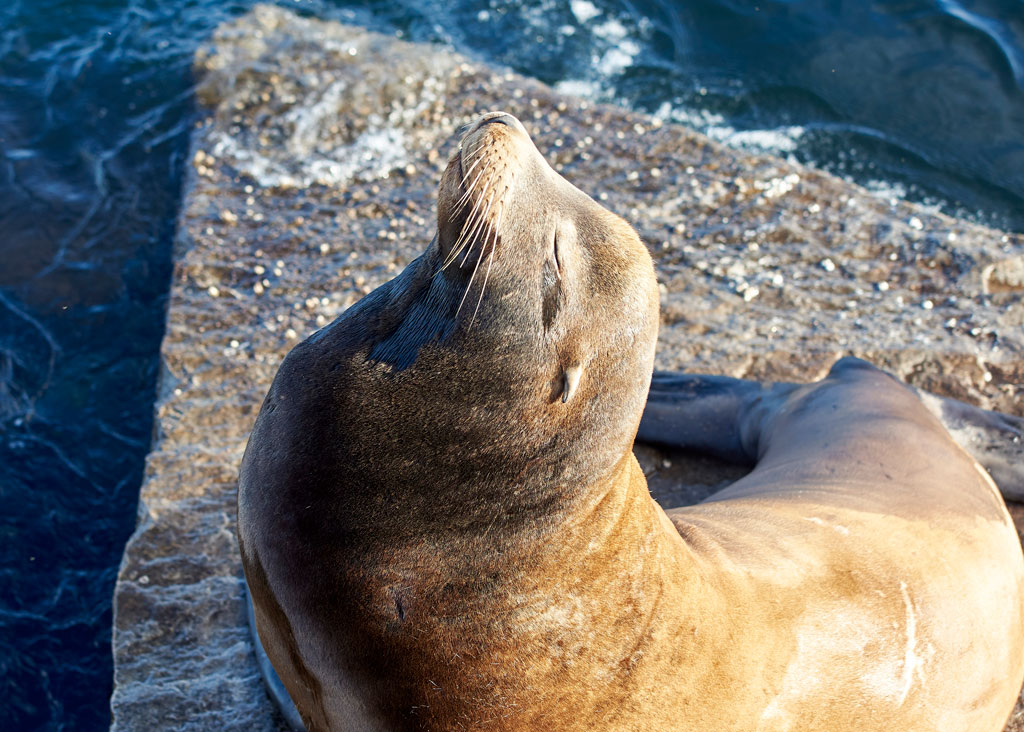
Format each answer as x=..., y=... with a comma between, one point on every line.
x=464, y=437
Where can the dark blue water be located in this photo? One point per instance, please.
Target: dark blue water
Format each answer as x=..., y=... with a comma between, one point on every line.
x=920, y=100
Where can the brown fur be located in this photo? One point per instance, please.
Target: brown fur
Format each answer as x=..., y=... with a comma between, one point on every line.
x=434, y=540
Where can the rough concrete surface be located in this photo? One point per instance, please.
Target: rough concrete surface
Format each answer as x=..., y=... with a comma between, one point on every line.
x=313, y=181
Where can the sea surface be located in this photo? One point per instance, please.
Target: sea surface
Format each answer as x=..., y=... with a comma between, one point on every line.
x=918, y=100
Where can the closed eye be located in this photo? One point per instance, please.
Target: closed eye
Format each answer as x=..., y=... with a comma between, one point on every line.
x=554, y=254
x=551, y=282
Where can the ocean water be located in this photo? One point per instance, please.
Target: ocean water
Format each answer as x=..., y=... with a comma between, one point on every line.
x=921, y=100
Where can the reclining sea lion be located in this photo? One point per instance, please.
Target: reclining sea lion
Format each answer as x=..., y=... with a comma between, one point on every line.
x=443, y=525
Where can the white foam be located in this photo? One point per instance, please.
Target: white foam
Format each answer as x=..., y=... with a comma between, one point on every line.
x=699, y=119
x=611, y=30
x=618, y=58
x=309, y=122
x=584, y=10
x=578, y=88
x=782, y=139
x=776, y=140
x=374, y=154
x=893, y=191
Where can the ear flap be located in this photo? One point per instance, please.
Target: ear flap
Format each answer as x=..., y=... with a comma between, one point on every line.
x=570, y=381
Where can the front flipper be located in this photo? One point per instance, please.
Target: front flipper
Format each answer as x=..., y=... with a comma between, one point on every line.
x=707, y=414
x=725, y=417
x=275, y=687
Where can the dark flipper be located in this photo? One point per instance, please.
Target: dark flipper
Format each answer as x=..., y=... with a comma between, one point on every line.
x=994, y=439
x=275, y=687
x=707, y=414
x=724, y=417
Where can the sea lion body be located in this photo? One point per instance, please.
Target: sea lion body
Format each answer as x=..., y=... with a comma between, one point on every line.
x=443, y=526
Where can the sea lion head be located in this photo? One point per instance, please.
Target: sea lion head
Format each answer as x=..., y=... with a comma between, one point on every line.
x=542, y=258
x=552, y=273
x=517, y=349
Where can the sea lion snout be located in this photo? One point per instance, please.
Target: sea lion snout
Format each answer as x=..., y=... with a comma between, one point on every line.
x=498, y=117
x=478, y=187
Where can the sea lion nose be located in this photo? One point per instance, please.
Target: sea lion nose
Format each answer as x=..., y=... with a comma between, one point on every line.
x=503, y=118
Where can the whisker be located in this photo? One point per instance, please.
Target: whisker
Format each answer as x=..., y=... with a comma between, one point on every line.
x=466, y=174
x=479, y=158
x=482, y=225
x=464, y=232
x=480, y=143
x=472, y=222
x=469, y=285
x=481, y=221
x=490, y=261
x=477, y=225
x=464, y=198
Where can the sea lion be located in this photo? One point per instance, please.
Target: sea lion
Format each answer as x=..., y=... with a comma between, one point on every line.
x=443, y=526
